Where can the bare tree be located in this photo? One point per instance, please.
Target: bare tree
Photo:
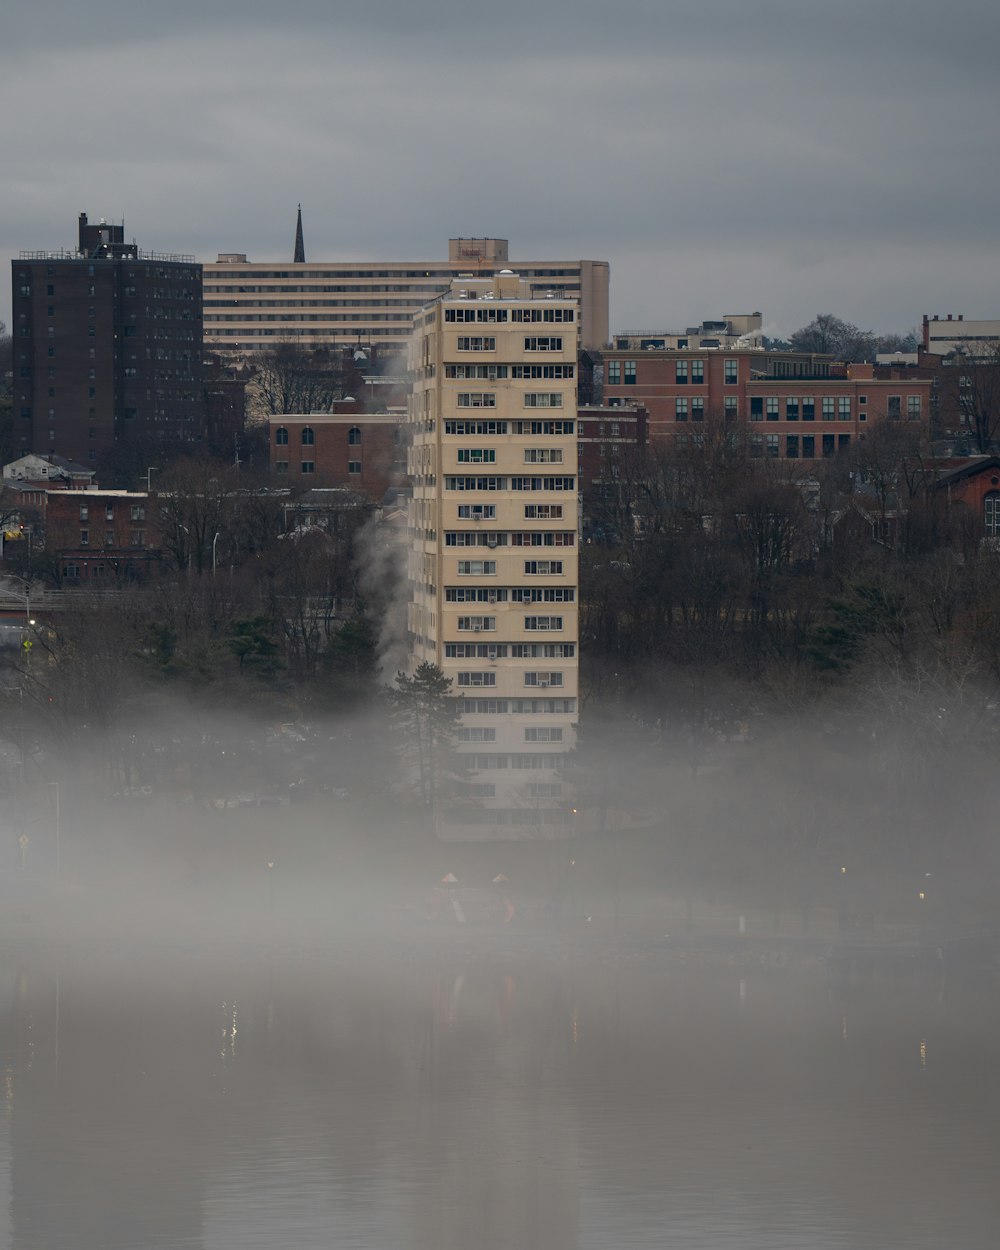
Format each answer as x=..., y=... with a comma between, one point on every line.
x=970, y=395
x=290, y=379
x=829, y=335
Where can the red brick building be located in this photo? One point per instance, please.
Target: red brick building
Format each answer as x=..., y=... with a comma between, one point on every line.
x=610, y=444
x=362, y=451
x=971, y=487
x=101, y=535
x=793, y=405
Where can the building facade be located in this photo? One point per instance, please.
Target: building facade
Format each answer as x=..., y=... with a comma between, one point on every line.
x=107, y=347
x=943, y=335
x=250, y=306
x=793, y=405
x=493, y=532
x=361, y=451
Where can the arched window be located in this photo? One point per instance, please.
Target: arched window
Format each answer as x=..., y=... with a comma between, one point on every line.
x=991, y=514
x=308, y=436
x=354, y=436
x=281, y=436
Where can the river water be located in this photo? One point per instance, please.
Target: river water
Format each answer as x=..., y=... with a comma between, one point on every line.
x=477, y=1099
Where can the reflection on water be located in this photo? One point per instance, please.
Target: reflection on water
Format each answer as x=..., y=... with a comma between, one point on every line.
x=491, y=1103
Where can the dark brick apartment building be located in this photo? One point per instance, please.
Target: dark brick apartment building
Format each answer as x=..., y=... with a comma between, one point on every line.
x=107, y=348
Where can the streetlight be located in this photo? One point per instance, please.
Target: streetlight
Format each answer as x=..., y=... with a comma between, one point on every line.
x=151, y=469
x=55, y=786
x=214, y=541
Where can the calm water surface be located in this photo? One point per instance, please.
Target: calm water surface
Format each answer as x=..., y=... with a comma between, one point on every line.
x=482, y=1101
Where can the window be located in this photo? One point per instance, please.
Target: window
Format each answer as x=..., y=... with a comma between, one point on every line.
x=808, y=408
x=354, y=436
x=477, y=455
x=697, y=373
x=138, y=512
x=544, y=399
x=552, y=343
x=109, y=538
x=756, y=408
x=477, y=568
x=732, y=409
x=681, y=372
x=680, y=409
x=281, y=436
x=541, y=623
x=476, y=343
x=308, y=436
x=543, y=511
x=281, y=466
x=543, y=455
x=354, y=466
x=476, y=511
x=772, y=446
x=828, y=412
x=614, y=372
x=85, y=538
x=844, y=408
x=843, y=442
x=630, y=373
x=792, y=446
x=731, y=370
x=477, y=733
x=308, y=466
x=791, y=408
x=477, y=399
x=543, y=733
x=913, y=407
x=771, y=407
x=137, y=538
x=84, y=512
x=894, y=407
x=477, y=679
x=828, y=446
x=543, y=679
x=991, y=514
x=543, y=568
x=474, y=624
x=756, y=446
x=697, y=408
x=808, y=446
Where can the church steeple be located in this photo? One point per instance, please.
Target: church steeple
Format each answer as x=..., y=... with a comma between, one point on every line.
x=300, y=247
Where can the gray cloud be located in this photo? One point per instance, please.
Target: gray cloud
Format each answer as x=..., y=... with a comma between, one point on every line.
x=787, y=156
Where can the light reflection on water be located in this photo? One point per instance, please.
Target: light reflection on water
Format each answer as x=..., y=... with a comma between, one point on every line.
x=493, y=1105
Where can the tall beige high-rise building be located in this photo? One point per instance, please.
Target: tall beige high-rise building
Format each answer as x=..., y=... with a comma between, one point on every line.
x=493, y=532
x=249, y=306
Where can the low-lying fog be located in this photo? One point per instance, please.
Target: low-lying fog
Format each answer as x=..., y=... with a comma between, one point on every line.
x=749, y=1002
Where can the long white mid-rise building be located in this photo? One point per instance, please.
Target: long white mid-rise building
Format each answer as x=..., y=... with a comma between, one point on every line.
x=493, y=531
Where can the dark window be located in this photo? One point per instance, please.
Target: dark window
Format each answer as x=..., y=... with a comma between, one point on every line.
x=308, y=437
x=354, y=436
x=756, y=408
x=308, y=466
x=991, y=514
x=281, y=436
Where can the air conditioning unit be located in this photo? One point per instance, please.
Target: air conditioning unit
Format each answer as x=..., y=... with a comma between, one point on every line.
x=491, y=542
x=544, y=683
x=493, y=596
x=492, y=653
x=477, y=629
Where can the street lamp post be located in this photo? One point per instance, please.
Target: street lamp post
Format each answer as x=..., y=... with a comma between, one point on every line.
x=55, y=786
x=214, y=541
x=151, y=469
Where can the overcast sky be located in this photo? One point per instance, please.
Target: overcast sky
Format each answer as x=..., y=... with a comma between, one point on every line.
x=724, y=155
